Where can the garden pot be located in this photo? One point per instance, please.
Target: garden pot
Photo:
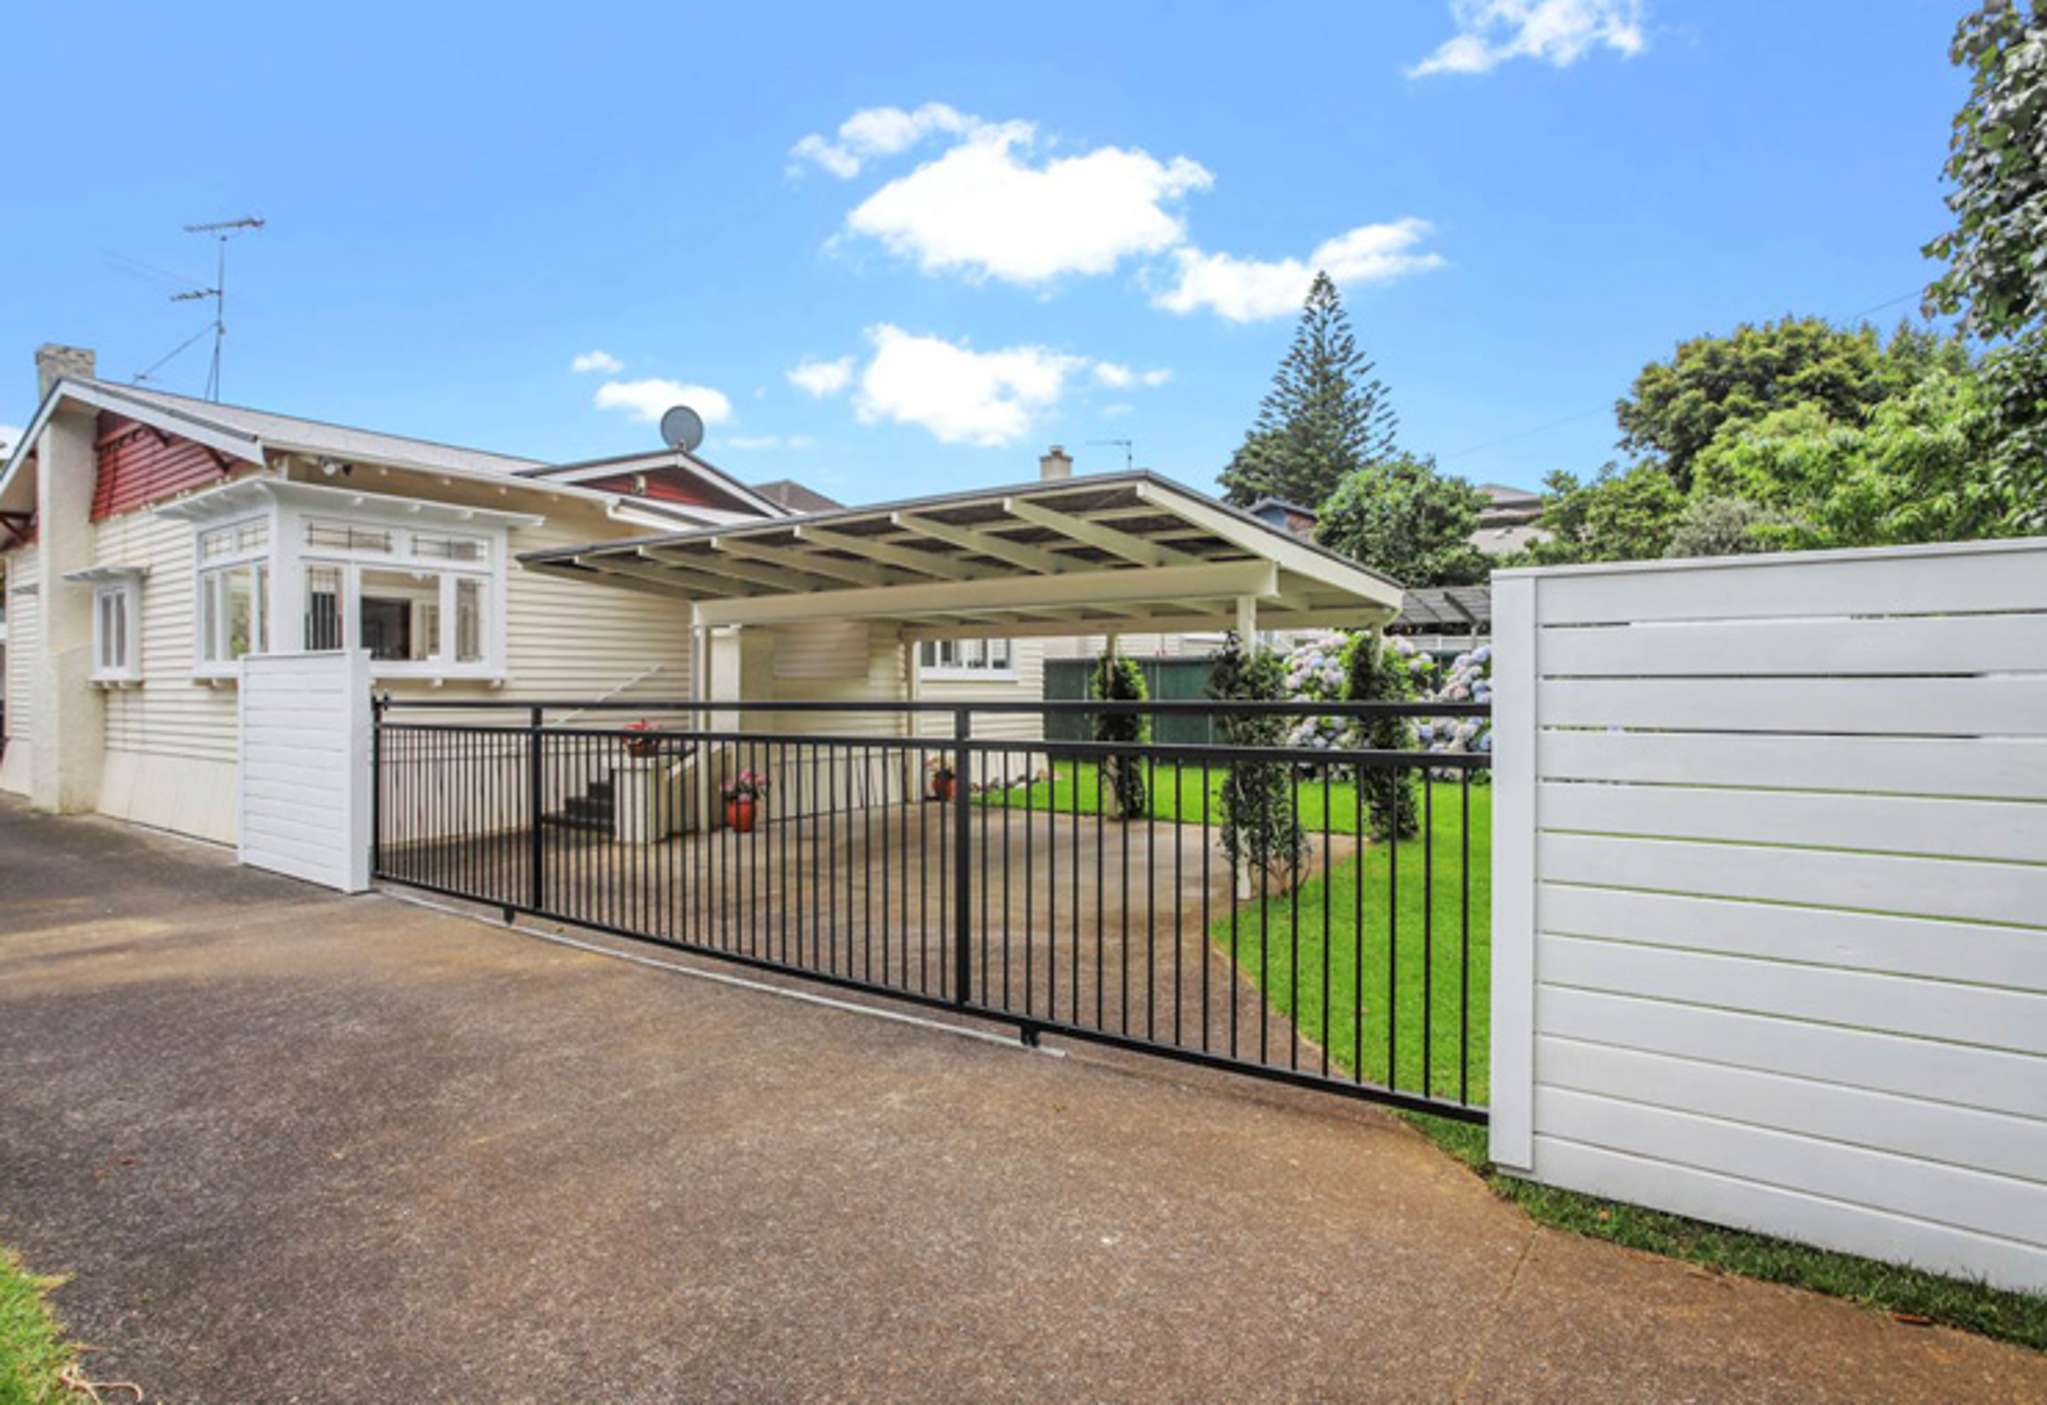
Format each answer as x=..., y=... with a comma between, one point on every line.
x=941, y=787
x=739, y=815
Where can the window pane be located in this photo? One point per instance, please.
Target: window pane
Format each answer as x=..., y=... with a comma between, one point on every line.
x=998, y=653
x=323, y=607
x=348, y=536
x=970, y=653
x=468, y=621
x=446, y=548
x=209, y=616
x=238, y=609
x=262, y=608
x=117, y=603
x=400, y=614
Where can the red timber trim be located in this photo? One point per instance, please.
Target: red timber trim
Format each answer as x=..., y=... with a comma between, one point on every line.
x=666, y=485
x=140, y=464
x=19, y=529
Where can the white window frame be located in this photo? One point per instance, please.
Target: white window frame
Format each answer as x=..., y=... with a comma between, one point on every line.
x=125, y=594
x=972, y=657
x=208, y=575
x=403, y=559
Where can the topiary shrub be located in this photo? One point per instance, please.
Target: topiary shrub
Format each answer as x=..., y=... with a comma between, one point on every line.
x=1378, y=670
x=1260, y=827
x=1118, y=679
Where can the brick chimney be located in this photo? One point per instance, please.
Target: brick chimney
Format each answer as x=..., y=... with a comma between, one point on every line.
x=1055, y=463
x=53, y=361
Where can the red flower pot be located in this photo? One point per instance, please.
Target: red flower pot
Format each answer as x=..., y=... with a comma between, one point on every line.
x=739, y=814
x=941, y=787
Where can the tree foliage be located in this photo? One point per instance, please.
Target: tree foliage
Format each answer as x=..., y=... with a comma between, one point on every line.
x=1325, y=417
x=1119, y=679
x=1260, y=829
x=1401, y=517
x=1996, y=253
x=1373, y=672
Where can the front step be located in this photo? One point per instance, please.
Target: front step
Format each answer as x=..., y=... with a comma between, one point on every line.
x=563, y=820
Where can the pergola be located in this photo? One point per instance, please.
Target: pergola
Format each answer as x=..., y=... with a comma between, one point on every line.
x=1109, y=554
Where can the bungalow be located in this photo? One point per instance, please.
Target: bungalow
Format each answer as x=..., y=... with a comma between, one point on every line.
x=149, y=541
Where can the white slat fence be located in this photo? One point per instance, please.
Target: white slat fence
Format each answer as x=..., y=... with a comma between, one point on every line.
x=1770, y=895
x=305, y=766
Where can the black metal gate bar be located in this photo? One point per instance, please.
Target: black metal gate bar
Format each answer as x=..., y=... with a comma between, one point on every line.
x=616, y=829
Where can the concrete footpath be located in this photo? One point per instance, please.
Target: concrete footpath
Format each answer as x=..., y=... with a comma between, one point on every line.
x=296, y=1147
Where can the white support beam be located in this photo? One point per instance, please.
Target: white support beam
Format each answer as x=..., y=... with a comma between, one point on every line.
x=1136, y=550
x=855, y=572
x=1031, y=558
x=924, y=562
x=684, y=582
x=1083, y=588
x=1291, y=555
x=1247, y=620
x=721, y=564
x=613, y=581
x=1174, y=622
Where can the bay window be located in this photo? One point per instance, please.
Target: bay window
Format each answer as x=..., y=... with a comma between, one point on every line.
x=419, y=584
x=966, y=658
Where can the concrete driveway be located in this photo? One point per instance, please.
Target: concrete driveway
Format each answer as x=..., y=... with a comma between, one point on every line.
x=293, y=1147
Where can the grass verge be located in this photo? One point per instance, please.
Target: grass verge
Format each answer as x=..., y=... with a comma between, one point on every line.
x=1911, y=1294
x=32, y=1348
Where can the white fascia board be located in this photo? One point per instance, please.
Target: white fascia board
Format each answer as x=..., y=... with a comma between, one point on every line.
x=244, y=492
x=226, y=441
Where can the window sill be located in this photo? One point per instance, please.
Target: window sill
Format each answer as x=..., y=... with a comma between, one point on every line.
x=116, y=680
x=967, y=675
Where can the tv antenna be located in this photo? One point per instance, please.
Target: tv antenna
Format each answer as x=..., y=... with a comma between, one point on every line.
x=1129, y=455
x=222, y=230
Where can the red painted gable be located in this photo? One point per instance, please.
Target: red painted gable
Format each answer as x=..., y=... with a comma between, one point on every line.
x=661, y=484
x=139, y=465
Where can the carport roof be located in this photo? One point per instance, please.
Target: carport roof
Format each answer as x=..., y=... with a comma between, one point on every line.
x=1119, y=553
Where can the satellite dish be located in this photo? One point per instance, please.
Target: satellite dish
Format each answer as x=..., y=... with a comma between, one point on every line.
x=682, y=428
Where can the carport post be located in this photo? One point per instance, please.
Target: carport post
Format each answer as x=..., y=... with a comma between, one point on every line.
x=962, y=858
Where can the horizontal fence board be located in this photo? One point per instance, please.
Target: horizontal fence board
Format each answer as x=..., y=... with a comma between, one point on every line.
x=2002, y=578
x=1935, y=644
x=1913, y=887
x=1816, y=1219
x=2014, y=770
x=1918, y=1068
x=2012, y=957
x=1962, y=829
x=1965, y=1014
x=1903, y=1185
x=1947, y=707
x=1995, y=1142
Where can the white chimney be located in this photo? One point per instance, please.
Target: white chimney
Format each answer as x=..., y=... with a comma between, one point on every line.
x=1055, y=463
x=53, y=361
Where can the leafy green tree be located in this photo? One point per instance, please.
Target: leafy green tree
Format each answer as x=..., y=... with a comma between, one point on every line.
x=1997, y=252
x=1119, y=679
x=1325, y=416
x=1710, y=526
x=1618, y=516
x=1403, y=518
x=1675, y=408
x=1260, y=828
x=1372, y=672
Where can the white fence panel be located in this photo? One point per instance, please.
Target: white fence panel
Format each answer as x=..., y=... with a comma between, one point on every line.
x=1770, y=895
x=304, y=793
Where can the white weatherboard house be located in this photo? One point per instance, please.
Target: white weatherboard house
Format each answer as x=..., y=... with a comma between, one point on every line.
x=149, y=542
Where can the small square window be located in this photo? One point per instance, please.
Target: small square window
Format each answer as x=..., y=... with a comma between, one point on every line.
x=116, y=631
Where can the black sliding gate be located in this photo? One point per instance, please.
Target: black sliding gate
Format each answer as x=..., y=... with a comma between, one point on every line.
x=1279, y=903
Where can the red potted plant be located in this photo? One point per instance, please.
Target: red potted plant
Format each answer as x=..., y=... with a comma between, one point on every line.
x=642, y=738
x=943, y=777
x=742, y=800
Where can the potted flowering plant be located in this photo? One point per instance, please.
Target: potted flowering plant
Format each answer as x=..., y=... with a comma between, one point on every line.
x=642, y=738
x=943, y=777
x=742, y=800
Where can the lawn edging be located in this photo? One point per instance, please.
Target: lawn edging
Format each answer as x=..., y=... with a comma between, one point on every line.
x=1910, y=1295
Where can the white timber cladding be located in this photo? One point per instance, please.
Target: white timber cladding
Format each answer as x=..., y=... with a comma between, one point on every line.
x=1770, y=895
x=24, y=629
x=304, y=792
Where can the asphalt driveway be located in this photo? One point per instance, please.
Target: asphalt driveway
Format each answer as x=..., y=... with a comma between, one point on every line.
x=295, y=1147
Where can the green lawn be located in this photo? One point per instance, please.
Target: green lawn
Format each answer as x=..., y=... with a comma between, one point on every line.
x=32, y=1351
x=1306, y=951
x=1185, y=794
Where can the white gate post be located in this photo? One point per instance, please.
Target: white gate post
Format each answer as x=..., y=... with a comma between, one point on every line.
x=1513, y=956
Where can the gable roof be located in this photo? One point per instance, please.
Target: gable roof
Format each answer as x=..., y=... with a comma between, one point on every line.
x=795, y=496
x=719, y=480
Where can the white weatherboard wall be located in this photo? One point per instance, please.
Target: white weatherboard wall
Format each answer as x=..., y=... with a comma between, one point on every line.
x=1770, y=895
x=305, y=766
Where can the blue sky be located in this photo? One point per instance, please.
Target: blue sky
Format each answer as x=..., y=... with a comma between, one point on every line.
x=1001, y=233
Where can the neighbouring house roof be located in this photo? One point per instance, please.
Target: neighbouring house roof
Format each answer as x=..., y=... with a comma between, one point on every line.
x=750, y=502
x=1127, y=552
x=1457, y=609
x=795, y=496
x=1507, y=539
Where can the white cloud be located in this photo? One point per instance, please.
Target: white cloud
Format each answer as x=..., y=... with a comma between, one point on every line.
x=597, y=361
x=1249, y=290
x=878, y=131
x=961, y=395
x=822, y=378
x=983, y=210
x=1118, y=377
x=646, y=399
x=1557, y=32
x=769, y=441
